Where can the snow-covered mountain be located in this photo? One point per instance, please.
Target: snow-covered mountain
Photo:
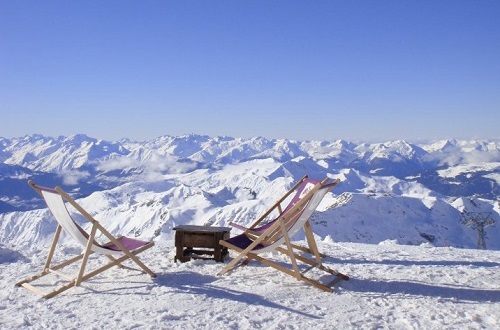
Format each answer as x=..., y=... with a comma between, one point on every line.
x=396, y=190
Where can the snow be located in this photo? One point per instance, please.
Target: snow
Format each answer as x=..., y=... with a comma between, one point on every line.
x=453, y=172
x=391, y=287
x=411, y=262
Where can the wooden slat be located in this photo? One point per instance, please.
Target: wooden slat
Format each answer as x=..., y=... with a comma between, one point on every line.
x=34, y=289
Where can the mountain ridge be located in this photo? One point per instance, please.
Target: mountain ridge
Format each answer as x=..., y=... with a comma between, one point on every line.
x=148, y=187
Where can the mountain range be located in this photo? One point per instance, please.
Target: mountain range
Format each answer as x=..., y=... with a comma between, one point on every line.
x=395, y=190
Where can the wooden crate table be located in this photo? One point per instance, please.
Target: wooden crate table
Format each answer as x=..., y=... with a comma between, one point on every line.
x=192, y=241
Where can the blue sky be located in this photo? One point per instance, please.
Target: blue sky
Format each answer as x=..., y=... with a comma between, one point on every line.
x=355, y=70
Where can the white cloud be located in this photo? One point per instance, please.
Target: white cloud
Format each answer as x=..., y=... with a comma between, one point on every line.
x=73, y=177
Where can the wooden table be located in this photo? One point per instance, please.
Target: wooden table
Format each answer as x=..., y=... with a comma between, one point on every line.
x=189, y=239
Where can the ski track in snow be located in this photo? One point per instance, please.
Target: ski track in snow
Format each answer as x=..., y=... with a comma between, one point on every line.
x=391, y=287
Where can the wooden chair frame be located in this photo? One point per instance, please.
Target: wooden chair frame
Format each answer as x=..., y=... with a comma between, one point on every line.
x=115, y=250
x=280, y=232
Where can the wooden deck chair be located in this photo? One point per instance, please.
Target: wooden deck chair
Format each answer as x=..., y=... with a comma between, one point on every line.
x=276, y=236
x=117, y=250
x=262, y=223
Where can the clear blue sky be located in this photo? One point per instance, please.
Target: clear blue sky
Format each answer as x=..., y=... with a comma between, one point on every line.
x=355, y=70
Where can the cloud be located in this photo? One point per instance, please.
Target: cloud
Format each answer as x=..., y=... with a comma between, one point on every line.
x=470, y=157
x=476, y=156
x=149, y=169
x=118, y=163
x=72, y=178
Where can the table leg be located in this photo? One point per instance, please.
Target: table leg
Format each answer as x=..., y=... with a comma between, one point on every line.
x=179, y=248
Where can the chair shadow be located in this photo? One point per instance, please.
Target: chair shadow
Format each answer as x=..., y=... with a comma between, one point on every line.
x=481, y=264
x=413, y=288
x=416, y=288
x=195, y=283
x=8, y=256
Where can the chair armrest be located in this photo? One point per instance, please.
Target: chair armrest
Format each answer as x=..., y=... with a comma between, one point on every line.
x=240, y=227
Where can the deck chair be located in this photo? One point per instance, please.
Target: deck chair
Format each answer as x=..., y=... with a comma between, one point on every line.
x=297, y=190
x=117, y=250
x=276, y=235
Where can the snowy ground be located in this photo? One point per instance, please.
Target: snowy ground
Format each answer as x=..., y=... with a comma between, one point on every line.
x=392, y=287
